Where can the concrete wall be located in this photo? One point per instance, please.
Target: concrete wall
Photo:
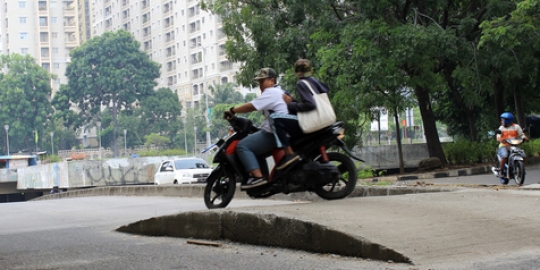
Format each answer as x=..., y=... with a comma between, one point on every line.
x=386, y=156
x=133, y=171
x=8, y=175
x=85, y=173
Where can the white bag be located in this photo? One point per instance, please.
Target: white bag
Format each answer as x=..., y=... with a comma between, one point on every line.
x=322, y=116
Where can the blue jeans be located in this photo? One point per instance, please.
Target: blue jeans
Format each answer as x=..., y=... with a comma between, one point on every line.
x=257, y=144
x=502, y=152
x=285, y=125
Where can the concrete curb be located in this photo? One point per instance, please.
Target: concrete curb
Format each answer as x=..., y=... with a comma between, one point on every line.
x=437, y=174
x=197, y=191
x=265, y=230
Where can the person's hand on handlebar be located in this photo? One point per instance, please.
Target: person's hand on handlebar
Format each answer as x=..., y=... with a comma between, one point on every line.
x=230, y=114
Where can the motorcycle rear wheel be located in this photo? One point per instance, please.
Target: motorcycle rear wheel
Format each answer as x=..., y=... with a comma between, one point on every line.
x=347, y=180
x=518, y=173
x=219, y=190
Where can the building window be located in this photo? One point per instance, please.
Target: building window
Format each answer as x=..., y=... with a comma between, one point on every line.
x=24, y=50
x=43, y=21
x=54, y=20
x=22, y=4
x=54, y=35
x=23, y=35
x=56, y=65
x=55, y=50
x=44, y=52
x=22, y=19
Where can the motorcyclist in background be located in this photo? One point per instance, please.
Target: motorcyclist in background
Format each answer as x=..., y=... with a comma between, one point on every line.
x=507, y=130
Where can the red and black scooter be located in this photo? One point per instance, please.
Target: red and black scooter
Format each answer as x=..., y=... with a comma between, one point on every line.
x=331, y=175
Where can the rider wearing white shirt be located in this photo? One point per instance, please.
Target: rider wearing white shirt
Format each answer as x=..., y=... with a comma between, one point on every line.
x=263, y=141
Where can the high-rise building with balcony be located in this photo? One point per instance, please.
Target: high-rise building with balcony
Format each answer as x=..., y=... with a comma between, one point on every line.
x=47, y=30
x=186, y=41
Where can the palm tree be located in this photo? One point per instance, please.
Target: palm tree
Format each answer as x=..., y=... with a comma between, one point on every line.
x=225, y=94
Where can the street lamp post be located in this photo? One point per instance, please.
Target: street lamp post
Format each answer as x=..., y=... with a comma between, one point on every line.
x=52, y=143
x=194, y=139
x=185, y=135
x=205, y=88
x=125, y=142
x=99, y=137
x=6, y=127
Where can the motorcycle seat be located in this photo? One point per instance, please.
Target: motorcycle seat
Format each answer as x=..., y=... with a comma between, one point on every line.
x=311, y=136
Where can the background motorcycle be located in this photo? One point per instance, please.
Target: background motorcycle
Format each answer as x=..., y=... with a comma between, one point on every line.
x=514, y=166
x=331, y=175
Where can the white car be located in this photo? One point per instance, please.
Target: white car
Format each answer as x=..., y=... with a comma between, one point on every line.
x=182, y=171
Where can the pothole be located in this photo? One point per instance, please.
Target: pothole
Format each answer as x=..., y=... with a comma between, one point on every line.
x=264, y=230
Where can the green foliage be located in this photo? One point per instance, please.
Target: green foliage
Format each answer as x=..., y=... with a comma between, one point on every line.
x=161, y=112
x=369, y=172
x=531, y=147
x=249, y=97
x=109, y=71
x=224, y=93
x=52, y=159
x=156, y=139
x=457, y=57
x=166, y=152
x=25, y=93
x=469, y=152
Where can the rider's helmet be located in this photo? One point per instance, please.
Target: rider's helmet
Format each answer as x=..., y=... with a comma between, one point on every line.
x=302, y=68
x=508, y=118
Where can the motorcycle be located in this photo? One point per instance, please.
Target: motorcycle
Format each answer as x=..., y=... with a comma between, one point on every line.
x=331, y=175
x=514, y=166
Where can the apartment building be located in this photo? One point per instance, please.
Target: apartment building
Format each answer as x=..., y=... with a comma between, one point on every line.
x=47, y=30
x=185, y=40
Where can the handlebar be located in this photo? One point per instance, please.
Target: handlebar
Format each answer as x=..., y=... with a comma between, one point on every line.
x=513, y=141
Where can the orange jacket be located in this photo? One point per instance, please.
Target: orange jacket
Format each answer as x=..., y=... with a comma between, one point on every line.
x=512, y=131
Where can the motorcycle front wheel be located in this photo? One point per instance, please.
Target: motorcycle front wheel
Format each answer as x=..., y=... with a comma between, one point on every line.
x=219, y=190
x=345, y=184
x=519, y=172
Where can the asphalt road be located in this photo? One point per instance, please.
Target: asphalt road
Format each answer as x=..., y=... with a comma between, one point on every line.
x=78, y=233
x=532, y=177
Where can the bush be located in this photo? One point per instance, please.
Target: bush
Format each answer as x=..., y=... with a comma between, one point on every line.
x=165, y=152
x=368, y=172
x=51, y=158
x=531, y=147
x=467, y=152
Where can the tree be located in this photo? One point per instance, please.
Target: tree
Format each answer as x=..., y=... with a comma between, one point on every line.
x=24, y=100
x=136, y=129
x=338, y=37
x=250, y=97
x=224, y=93
x=156, y=139
x=512, y=42
x=363, y=46
x=109, y=71
x=161, y=112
